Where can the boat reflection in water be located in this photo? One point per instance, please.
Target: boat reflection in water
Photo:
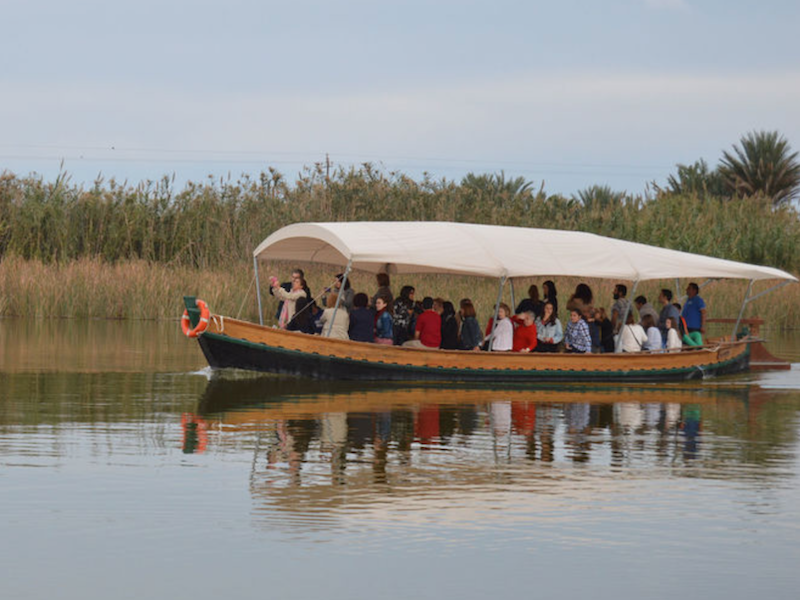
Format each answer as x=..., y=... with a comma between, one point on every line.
x=334, y=454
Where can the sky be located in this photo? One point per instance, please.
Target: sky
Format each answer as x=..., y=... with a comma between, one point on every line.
x=567, y=94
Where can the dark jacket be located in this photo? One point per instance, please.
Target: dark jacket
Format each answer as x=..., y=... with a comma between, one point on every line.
x=362, y=325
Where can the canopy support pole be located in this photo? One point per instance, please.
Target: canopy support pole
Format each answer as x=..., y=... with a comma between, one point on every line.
x=513, y=301
x=628, y=310
x=339, y=295
x=258, y=292
x=496, y=311
x=745, y=302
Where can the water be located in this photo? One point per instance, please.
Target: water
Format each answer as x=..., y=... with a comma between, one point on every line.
x=125, y=472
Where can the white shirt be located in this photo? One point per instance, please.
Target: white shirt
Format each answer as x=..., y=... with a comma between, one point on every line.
x=673, y=340
x=503, y=335
x=653, y=339
x=633, y=338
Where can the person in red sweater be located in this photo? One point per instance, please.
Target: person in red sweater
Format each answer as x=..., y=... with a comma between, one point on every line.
x=525, y=339
x=428, y=333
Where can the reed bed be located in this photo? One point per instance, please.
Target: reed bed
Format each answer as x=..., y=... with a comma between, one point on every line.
x=132, y=251
x=92, y=288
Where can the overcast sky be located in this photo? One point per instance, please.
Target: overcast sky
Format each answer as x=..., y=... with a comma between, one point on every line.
x=572, y=93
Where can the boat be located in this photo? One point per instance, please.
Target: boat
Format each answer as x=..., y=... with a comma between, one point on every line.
x=499, y=252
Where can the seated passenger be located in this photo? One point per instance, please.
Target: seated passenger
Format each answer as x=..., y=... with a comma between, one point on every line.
x=403, y=317
x=549, y=330
x=673, y=337
x=653, y=343
x=362, y=320
x=525, y=338
x=470, y=337
x=383, y=321
x=428, y=331
x=449, y=327
x=501, y=339
x=577, y=339
x=632, y=336
x=335, y=321
x=606, y=330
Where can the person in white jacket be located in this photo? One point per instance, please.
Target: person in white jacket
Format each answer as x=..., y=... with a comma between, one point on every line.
x=632, y=336
x=673, y=337
x=503, y=334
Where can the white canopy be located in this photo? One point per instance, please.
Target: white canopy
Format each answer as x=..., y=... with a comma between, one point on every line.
x=492, y=251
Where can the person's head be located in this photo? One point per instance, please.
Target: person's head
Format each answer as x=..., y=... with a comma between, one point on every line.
x=640, y=301
x=382, y=279
x=339, y=279
x=448, y=308
x=382, y=303
x=549, y=289
x=298, y=273
x=360, y=300
x=330, y=301
x=467, y=308
x=407, y=292
x=670, y=324
x=692, y=290
x=620, y=291
x=588, y=313
x=629, y=320
x=427, y=303
x=298, y=283
x=584, y=292
x=648, y=321
x=665, y=297
x=533, y=293
x=438, y=305
x=574, y=315
x=528, y=318
x=548, y=313
x=503, y=311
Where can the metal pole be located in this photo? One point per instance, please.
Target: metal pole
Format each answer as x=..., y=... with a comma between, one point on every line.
x=339, y=295
x=513, y=301
x=258, y=292
x=496, y=311
x=741, y=310
x=625, y=316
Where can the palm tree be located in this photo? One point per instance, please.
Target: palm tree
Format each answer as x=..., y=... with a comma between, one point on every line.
x=696, y=179
x=599, y=197
x=764, y=164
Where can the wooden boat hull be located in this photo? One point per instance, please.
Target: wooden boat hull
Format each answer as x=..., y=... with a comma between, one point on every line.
x=230, y=343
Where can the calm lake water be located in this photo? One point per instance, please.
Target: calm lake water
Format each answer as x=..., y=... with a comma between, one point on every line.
x=127, y=472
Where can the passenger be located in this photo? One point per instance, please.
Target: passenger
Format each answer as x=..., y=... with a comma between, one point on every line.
x=449, y=327
x=403, y=316
x=531, y=303
x=550, y=295
x=653, y=343
x=362, y=319
x=335, y=321
x=348, y=294
x=632, y=336
x=428, y=331
x=549, y=330
x=645, y=308
x=470, y=337
x=286, y=286
x=620, y=307
x=594, y=329
x=303, y=319
x=606, y=330
x=502, y=337
x=383, y=289
x=289, y=298
x=525, y=337
x=581, y=299
x=673, y=338
x=694, y=310
x=668, y=311
x=383, y=321
x=577, y=339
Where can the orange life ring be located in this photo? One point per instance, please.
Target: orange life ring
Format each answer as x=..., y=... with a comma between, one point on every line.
x=202, y=324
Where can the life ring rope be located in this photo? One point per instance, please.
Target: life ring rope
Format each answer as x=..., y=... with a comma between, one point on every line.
x=202, y=324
